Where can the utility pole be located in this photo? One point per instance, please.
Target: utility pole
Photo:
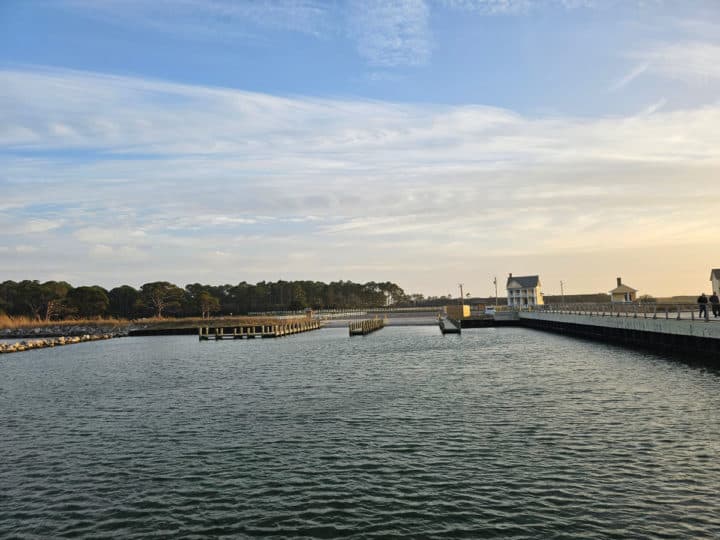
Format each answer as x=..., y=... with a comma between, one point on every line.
x=562, y=292
x=496, y=296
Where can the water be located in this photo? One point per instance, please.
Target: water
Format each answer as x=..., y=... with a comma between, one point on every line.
x=505, y=433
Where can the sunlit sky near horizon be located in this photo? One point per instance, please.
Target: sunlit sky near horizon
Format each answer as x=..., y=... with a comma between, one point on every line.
x=422, y=142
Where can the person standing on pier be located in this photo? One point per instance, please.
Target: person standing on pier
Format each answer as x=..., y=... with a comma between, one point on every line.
x=702, y=304
x=715, y=303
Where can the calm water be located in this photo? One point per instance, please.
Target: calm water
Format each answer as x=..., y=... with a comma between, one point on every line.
x=504, y=433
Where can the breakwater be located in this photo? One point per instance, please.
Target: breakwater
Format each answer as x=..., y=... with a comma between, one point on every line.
x=28, y=345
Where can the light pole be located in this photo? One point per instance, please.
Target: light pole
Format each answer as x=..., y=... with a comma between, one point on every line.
x=496, y=296
x=562, y=292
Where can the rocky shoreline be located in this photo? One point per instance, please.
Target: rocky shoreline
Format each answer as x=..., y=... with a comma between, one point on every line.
x=54, y=331
x=28, y=345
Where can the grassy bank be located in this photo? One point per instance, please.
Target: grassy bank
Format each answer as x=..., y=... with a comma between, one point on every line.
x=15, y=323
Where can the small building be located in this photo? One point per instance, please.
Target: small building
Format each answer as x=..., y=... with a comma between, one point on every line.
x=622, y=293
x=715, y=280
x=524, y=291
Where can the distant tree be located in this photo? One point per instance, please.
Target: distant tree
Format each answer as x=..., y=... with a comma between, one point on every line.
x=54, y=294
x=41, y=300
x=647, y=299
x=160, y=296
x=208, y=304
x=88, y=301
x=299, y=299
x=123, y=300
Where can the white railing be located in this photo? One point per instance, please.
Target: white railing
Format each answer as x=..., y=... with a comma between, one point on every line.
x=635, y=310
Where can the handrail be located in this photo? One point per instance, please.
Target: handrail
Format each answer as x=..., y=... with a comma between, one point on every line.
x=634, y=310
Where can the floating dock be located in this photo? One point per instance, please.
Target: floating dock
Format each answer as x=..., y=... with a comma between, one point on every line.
x=362, y=328
x=449, y=326
x=256, y=331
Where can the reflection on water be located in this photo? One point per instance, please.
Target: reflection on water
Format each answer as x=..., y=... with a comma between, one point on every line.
x=496, y=433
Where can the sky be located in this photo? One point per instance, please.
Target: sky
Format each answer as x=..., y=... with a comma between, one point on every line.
x=428, y=143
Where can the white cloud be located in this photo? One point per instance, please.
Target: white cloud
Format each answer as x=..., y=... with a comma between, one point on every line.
x=29, y=226
x=107, y=236
x=692, y=61
x=251, y=181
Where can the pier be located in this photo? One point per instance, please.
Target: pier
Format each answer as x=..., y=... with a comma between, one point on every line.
x=449, y=326
x=672, y=328
x=206, y=333
x=362, y=328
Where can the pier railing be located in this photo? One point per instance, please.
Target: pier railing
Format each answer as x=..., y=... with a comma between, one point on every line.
x=646, y=311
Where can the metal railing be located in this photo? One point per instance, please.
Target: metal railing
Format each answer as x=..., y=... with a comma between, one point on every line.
x=635, y=310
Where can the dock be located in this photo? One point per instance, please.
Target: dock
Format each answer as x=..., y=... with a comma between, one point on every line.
x=449, y=326
x=206, y=333
x=362, y=328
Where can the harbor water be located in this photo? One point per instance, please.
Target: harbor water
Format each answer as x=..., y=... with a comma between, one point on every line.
x=496, y=433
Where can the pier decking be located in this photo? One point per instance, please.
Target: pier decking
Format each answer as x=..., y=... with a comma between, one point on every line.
x=206, y=333
x=362, y=328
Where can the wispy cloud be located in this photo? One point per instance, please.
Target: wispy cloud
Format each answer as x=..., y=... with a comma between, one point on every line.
x=693, y=62
x=391, y=32
x=629, y=77
x=211, y=19
x=518, y=7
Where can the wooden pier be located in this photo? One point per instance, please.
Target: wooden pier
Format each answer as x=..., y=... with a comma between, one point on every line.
x=362, y=328
x=256, y=331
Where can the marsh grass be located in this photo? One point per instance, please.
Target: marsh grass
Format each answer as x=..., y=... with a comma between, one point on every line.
x=8, y=322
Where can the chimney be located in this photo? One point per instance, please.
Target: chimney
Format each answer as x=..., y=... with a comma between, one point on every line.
x=619, y=280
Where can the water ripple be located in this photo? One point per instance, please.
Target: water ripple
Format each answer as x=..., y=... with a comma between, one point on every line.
x=498, y=433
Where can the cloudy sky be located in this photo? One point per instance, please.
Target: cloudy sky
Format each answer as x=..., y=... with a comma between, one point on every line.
x=422, y=142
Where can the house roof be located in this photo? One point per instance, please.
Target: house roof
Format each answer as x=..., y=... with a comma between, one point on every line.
x=622, y=289
x=525, y=282
x=715, y=273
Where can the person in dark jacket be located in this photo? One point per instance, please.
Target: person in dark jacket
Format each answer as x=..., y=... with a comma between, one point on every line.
x=715, y=303
x=702, y=304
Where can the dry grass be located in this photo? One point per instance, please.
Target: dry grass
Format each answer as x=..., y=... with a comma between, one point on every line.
x=7, y=321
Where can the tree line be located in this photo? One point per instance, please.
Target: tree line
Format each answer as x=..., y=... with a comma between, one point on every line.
x=55, y=300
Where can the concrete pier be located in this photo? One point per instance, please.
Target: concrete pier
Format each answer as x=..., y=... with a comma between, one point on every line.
x=697, y=337
x=206, y=333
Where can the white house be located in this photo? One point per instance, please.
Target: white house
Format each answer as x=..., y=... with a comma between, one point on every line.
x=524, y=291
x=715, y=279
x=622, y=293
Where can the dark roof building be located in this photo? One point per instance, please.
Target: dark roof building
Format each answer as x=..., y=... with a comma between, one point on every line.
x=522, y=282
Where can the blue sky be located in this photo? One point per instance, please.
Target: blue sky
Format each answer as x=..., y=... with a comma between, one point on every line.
x=420, y=142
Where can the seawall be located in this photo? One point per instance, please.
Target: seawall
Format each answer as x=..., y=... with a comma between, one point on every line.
x=698, y=340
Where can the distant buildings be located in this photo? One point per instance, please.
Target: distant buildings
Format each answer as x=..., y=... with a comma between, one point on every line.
x=622, y=293
x=715, y=279
x=524, y=291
